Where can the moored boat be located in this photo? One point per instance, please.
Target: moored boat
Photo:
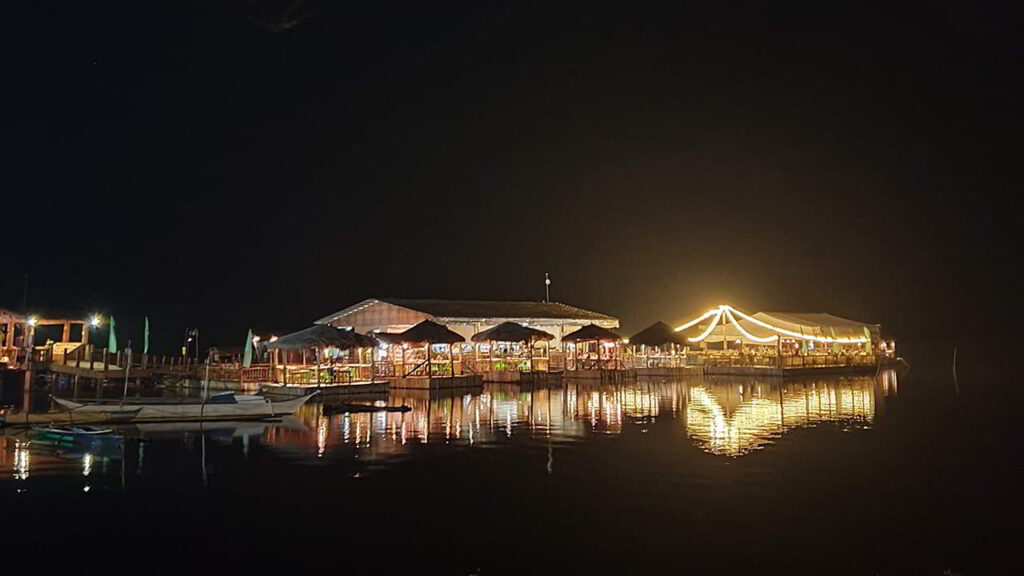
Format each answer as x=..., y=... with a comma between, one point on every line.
x=224, y=406
x=72, y=430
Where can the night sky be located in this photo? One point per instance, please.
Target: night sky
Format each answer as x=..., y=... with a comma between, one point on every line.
x=207, y=165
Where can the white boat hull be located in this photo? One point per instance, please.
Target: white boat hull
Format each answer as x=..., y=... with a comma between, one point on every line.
x=246, y=410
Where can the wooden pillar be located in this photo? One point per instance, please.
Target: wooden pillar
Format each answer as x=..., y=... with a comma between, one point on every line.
x=66, y=334
x=317, y=371
x=451, y=360
x=529, y=361
x=430, y=365
x=27, y=390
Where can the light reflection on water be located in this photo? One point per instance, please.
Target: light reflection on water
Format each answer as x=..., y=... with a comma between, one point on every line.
x=722, y=416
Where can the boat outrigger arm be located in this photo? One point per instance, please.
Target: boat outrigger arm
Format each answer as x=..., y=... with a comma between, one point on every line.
x=219, y=407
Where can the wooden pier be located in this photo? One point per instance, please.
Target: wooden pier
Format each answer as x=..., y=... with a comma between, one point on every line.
x=84, y=361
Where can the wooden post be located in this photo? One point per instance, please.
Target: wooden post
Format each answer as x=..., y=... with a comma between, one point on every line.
x=451, y=360
x=316, y=372
x=430, y=365
x=529, y=359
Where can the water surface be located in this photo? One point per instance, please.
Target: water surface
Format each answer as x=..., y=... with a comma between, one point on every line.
x=860, y=475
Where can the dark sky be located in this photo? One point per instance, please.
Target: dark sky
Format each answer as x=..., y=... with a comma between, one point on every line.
x=180, y=160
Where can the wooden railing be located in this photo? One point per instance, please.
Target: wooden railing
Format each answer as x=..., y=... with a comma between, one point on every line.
x=675, y=361
x=506, y=364
x=89, y=357
x=771, y=361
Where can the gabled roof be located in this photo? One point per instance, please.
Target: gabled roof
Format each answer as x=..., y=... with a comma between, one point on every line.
x=480, y=309
x=9, y=316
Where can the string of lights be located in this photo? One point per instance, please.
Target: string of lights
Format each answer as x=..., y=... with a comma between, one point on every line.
x=728, y=311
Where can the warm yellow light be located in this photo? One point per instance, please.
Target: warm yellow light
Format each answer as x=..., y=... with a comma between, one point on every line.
x=95, y=320
x=33, y=321
x=732, y=319
x=273, y=338
x=707, y=314
x=797, y=334
x=710, y=328
x=728, y=312
x=625, y=340
x=256, y=338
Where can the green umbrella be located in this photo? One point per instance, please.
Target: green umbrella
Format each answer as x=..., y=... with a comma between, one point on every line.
x=247, y=351
x=112, y=337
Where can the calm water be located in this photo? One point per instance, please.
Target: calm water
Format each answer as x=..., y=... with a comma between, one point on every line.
x=889, y=475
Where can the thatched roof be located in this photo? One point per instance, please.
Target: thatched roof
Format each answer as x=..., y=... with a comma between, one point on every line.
x=425, y=332
x=511, y=332
x=322, y=336
x=592, y=332
x=8, y=316
x=657, y=334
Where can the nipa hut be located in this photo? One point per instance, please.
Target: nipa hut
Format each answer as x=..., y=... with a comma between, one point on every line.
x=593, y=348
x=425, y=350
x=510, y=347
x=657, y=346
x=322, y=354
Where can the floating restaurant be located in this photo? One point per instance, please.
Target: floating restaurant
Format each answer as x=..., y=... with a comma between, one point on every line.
x=504, y=341
x=726, y=340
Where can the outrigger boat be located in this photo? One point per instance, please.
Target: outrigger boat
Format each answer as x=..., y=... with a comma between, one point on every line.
x=72, y=430
x=222, y=406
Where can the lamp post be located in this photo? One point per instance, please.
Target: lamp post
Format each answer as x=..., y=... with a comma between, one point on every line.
x=191, y=334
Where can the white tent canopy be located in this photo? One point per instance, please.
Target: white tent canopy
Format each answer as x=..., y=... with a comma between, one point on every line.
x=728, y=323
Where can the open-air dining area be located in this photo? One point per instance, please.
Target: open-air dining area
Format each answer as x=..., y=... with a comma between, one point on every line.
x=505, y=351
x=316, y=356
x=593, y=348
x=427, y=350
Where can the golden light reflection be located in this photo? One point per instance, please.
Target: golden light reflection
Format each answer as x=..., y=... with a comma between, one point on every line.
x=22, y=460
x=727, y=417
